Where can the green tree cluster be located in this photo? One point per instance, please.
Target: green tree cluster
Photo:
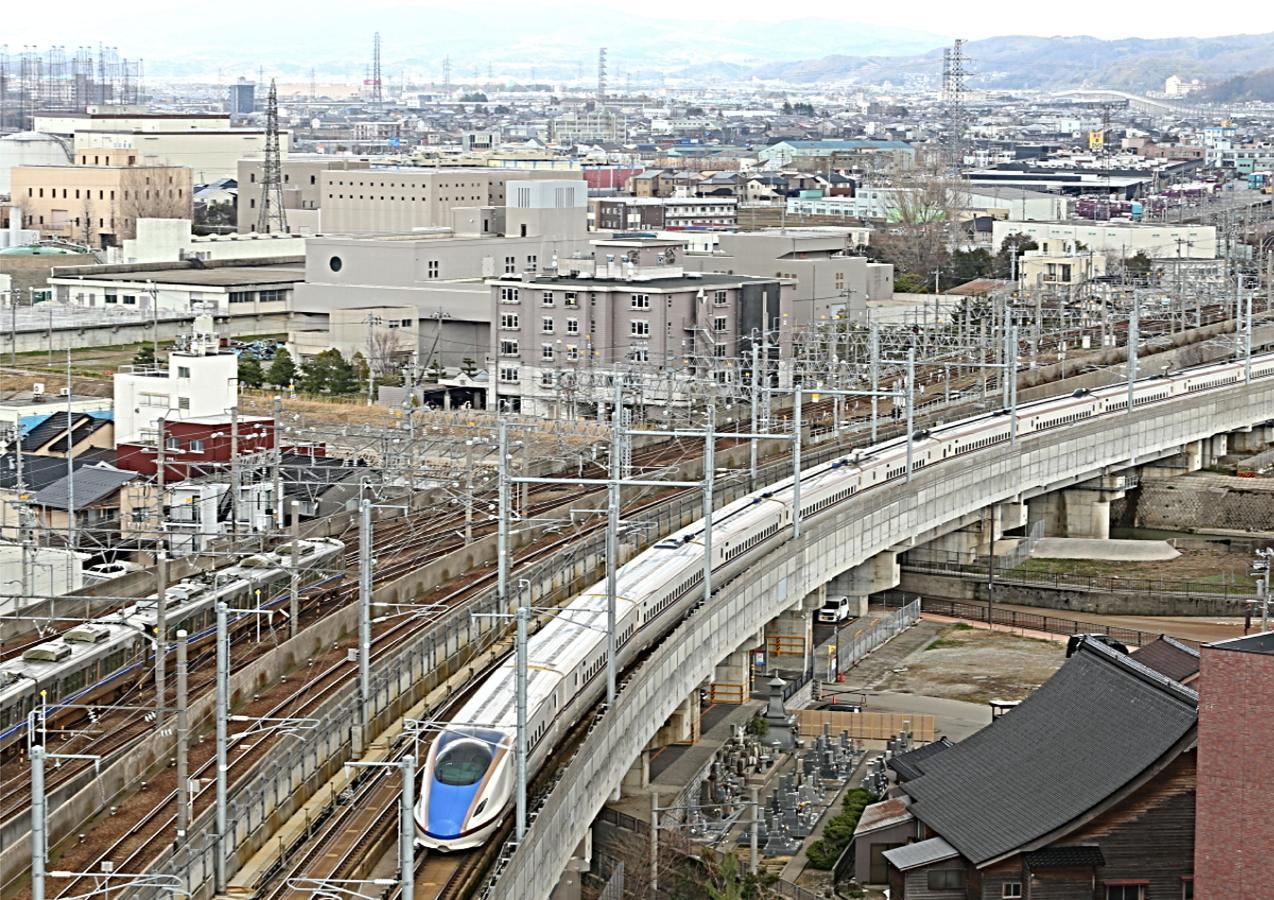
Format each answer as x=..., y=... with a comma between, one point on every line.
x=282, y=371
x=839, y=831
x=329, y=372
x=250, y=372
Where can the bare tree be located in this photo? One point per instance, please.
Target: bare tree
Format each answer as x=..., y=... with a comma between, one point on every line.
x=152, y=194
x=385, y=350
x=923, y=217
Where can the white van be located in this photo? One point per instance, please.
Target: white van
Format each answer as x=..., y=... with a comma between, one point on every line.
x=835, y=609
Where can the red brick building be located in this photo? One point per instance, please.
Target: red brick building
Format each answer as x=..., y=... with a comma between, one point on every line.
x=1234, y=823
x=193, y=447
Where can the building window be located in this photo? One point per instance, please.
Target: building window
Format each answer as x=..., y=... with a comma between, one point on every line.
x=720, y=298
x=240, y=297
x=570, y=299
x=718, y=350
x=183, y=371
x=719, y=323
x=510, y=265
x=547, y=299
x=172, y=444
x=183, y=403
x=509, y=321
x=335, y=263
x=572, y=326
x=130, y=300
x=431, y=268
x=1187, y=888
x=546, y=353
x=508, y=348
x=639, y=301
x=1011, y=890
x=639, y=328
x=547, y=379
x=532, y=262
x=509, y=374
x=546, y=324
x=196, y=446
x=509, y=295
x=1126, y=891
x=271, y=296
x=639, y=354
x=572, y=353
x=946, y=879
x=111, y=298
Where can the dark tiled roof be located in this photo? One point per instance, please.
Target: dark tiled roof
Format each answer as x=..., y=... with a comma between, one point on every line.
x=1169, y=657
x=1065, y=857
x=92, y=483
x=38, y=472
x=53, y=429
x=907, y=765
x=1100, y=722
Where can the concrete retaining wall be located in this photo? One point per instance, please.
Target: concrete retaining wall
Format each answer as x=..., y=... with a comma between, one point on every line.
x=1206, y=502
x=1071, y=599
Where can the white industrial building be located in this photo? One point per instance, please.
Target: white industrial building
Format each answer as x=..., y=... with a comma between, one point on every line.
x=171, y=240
x=201, y=379
x=1157, y=241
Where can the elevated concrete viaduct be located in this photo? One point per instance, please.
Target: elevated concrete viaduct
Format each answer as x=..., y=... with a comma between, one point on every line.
x=856, y=544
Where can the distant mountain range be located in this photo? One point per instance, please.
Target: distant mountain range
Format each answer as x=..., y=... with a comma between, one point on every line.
x=1017, y=61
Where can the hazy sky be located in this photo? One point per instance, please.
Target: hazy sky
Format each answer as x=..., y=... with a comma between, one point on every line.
x=141, y=28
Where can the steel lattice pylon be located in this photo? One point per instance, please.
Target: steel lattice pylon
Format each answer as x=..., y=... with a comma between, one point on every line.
x=271, y=216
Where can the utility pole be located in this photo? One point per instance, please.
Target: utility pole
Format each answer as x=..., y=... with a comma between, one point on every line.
x=70, y=472
x=364, y=615
x=234, y=470
x=161, y=577
x=709, y=474
x=756, y=410
x=183, y=738
x=407, y=828
x=502, y=525
x=654, y=844
x=796, y=462
x=294, y=598
x=276, y=409
x=1133, y=340
x=222, y=712
x=874, y=339
x=1011, y=370
x=521, y=677
x=911, y=405
x=612, y=536
x=39, y=827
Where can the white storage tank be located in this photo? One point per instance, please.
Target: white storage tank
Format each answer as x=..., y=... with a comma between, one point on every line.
x=29, y=148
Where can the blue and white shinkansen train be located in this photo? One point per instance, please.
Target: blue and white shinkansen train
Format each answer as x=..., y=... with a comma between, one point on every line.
x=468, y=778
x=97, y=661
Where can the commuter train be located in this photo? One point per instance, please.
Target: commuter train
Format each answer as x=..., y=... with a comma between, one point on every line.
x=467, y=782
x=96, y=662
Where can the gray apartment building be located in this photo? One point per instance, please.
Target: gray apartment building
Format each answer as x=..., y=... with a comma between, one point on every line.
x=428, y=288
x=630, y=308
x=830, y=280
x=302, y=188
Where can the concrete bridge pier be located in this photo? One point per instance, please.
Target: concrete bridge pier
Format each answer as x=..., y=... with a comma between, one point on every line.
x=681, y=727
x=1251, y=440
x=1082, y=511
x=789, y=638
x=732, y=679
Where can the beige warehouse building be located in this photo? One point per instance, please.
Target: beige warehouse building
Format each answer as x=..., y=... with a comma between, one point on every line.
x=99, y=205
x=207, y=153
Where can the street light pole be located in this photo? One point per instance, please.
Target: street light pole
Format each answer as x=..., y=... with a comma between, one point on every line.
x=183, y=737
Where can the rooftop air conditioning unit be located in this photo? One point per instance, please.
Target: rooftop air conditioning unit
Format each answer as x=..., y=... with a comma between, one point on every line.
x=37, y=390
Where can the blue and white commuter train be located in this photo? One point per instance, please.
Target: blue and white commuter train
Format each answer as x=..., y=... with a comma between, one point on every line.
x=468, y=778
x=97, y=661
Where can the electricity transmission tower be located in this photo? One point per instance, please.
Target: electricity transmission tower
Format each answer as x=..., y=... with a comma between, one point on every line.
x=271, y=216
x=953, y=75
x=378, y=96
x=601, y=74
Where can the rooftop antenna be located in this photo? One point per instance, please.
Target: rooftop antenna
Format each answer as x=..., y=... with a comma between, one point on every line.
x=446, y=73
x=271, y=216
